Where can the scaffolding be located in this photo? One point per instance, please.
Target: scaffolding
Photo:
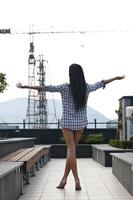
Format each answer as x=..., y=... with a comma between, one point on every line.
x=41, y=101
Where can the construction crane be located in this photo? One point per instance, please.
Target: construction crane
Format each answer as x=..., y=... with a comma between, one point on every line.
x=36, y=115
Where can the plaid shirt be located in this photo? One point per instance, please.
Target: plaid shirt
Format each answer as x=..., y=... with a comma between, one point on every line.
x=72, y=119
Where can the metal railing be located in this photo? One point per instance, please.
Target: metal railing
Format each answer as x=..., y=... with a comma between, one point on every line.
x=23, y=125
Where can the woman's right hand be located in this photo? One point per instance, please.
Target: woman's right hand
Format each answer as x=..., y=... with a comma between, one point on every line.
x=120, y=77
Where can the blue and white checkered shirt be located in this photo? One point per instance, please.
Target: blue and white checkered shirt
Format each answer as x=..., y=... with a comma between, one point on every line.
x=72, y=119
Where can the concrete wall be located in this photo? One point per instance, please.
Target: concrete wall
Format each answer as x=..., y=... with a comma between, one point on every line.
x=11, y=184
x=52, y=136
x=125, y=101
x=122, y=169
x=7, y=146
x=60, y=151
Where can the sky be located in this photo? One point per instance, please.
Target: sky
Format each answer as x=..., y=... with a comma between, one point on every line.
x=105, y=51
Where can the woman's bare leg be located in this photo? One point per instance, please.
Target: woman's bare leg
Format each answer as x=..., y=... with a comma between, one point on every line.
x=71, y=152
x=77, y=136
x=71, y=139
x=67, y=170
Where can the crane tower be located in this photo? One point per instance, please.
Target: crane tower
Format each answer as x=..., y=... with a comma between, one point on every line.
x=30, y=119
x=41, y=101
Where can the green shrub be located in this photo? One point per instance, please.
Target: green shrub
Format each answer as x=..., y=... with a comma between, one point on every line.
x=88, y=139
x=83, y=139
x=114, y=143
x=130, y=145
x=124, y=144
x=3, y=83
x=62, y=140
x=121, y=144
x=95, y=139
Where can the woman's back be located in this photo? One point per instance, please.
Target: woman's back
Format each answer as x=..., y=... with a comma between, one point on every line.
x=71, y=117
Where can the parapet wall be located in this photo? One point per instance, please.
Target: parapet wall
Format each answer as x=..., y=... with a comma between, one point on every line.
x=52, y=136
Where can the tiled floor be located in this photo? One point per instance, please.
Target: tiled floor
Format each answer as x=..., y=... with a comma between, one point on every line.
x=97, y=183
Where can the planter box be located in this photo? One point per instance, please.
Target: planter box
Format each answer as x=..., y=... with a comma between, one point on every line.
x=122, y=168
x=9, y=145
x=82, y=151
x=52, y=136
x=101, y=153
x=11, y=180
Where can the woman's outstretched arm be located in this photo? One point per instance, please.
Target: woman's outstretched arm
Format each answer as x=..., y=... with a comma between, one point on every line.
x=48, y=88
x=19, y=85
x=113, y=79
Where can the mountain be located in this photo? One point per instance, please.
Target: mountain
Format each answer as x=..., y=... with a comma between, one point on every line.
x=14, y=111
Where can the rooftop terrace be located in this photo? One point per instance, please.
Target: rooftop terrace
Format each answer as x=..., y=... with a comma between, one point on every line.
x=98, y=183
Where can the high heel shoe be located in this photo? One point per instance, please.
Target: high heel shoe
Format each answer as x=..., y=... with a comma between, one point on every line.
x=61, y=185
x=77, y=186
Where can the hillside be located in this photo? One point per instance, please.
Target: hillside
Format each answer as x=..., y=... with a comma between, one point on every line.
x=13, y=111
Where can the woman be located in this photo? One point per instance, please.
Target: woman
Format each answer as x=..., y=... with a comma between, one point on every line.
x=74, y=115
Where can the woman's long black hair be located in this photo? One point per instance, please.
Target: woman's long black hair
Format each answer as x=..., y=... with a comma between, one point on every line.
x=77, y=85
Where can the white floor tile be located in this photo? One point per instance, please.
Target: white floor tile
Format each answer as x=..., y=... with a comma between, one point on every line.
x=97, y=182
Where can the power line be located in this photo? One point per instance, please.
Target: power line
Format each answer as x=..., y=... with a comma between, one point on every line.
x=9, y=31
x=75, y=32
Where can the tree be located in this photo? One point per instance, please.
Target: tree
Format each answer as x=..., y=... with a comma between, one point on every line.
x=3, y=83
